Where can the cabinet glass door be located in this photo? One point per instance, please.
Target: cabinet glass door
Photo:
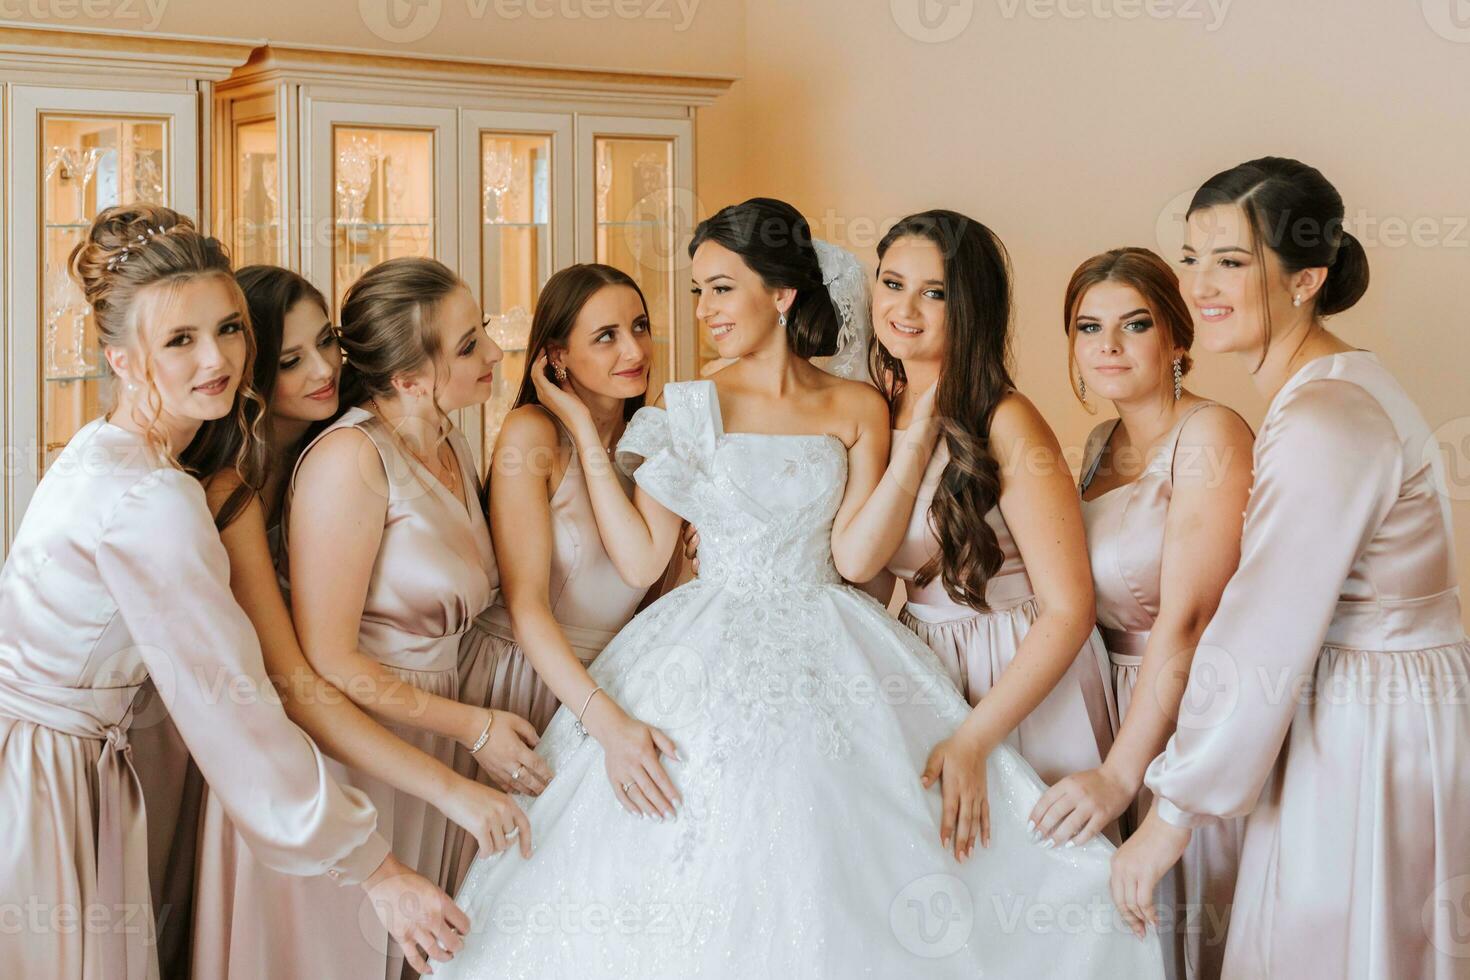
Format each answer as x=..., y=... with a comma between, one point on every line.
x=522, y=196
x=637, y=192
x=255, y=217
x=77, y=153
x=380, y=185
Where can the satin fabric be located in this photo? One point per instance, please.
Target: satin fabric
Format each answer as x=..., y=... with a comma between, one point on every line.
x=118, y=576
x=1125, y=540
x=1072, y=728
x=1327, y=701
x=590, y=602
x=433, y=571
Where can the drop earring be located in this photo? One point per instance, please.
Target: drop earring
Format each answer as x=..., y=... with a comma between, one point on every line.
x=781, y=320
x=561, y=372
x=1178, y=379
x=1082, y=389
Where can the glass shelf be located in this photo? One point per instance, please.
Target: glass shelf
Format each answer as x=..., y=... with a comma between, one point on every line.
x=382, y=181
x=516, y=210
x=87, y=163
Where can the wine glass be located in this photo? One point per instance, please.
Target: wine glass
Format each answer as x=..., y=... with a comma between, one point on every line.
x=498, y=163
x=354, y=176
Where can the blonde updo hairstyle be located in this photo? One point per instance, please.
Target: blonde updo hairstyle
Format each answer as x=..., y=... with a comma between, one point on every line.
x=131, y=263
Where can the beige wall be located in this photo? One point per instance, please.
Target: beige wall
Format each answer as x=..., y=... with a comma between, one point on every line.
x=1073, y=135
x=694, y=36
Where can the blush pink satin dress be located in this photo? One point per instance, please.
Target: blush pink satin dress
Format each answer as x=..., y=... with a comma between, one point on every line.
x=116, y=576
x=1327, y=702
x=1125, y=539
x=590, y=602
x=1072, y=728
x=434, y=571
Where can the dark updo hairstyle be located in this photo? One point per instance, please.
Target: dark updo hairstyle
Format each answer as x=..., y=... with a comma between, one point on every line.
x=557, y=308
x=132, y=259
x=1147, y=274
x=1295, y=212
x=270, y=293
x=776, y=243
x=974, y=378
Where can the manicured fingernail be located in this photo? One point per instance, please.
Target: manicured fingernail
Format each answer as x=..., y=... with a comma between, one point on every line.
x=1031, y=826
x=1048, y=844
x=1070, y=843
x=944, y=842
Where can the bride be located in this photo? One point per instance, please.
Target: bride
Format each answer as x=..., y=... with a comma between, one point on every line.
x=775, y=821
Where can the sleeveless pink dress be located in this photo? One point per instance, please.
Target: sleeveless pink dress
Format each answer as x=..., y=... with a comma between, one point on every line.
x=1072, y=728
x=590, y=602
x=434, y=570
x=1125, y=539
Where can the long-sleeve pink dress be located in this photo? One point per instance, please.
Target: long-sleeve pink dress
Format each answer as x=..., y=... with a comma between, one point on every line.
x=1125, y=540
x=1072, y=728
x=1327, y=700
x=590, y=602
x=117, y=575
x=434, y=570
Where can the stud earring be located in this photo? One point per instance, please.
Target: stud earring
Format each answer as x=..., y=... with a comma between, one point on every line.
x=1178, y=379
x=1296, y=300
x=561, y=372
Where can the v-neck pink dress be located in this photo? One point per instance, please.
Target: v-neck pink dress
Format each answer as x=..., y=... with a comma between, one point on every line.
x=1327, y=701
x=434, y=571
x=1125, y=539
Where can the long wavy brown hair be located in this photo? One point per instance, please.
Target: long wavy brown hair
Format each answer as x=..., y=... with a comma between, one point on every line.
x=975, y=376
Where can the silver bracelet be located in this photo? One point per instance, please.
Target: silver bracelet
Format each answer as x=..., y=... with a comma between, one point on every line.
x=580, y=728
x=485, y=735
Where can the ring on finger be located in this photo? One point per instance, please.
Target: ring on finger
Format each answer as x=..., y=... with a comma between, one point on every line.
x=511, y=833
x=515, y=773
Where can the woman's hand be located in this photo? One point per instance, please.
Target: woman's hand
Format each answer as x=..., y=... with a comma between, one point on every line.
x=634, y=768
x=691, y=547
x=509, y=756
x=492, y=818
x=1139, y=865
x=958, y=763
x=559, y=399
x=420, y=917
x=1078, y=807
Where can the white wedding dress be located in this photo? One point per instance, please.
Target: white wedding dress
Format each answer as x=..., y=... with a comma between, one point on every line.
x=806, y=846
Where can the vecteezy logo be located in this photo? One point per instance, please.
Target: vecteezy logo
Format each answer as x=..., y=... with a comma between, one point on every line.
x=932, y=21
x=1446, y=917
x=400, y=21
x=933, y=916
x=1451, y=443
x=1450, y=19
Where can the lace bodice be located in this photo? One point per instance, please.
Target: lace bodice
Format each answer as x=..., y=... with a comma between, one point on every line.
x=763, y=504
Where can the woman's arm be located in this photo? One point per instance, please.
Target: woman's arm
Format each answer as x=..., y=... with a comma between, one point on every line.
x=867, y=459
x=520, y=514
x=336, y=528
x=336, y=724
x=639, y=534
x=1201, y=551
x=880, y=524
x=1040, y=505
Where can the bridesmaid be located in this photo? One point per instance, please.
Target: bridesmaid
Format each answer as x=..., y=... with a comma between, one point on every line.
x=983, y=527
x=562, y=598
x=117, y=575
x=1326, y=704
x=1163, y=488
x=297, y=368
x=389, y=556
